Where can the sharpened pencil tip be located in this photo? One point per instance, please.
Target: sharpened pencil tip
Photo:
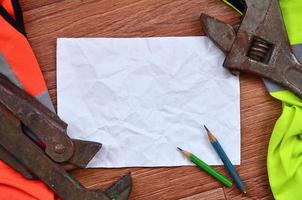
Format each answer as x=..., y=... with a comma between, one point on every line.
x=185, y=153
x=179, y=149
x=212, y=138
x=206, y=128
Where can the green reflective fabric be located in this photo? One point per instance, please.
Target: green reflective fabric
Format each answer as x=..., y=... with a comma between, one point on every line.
x=285, y=149
x=292, y=15
x=284, y=157
x=237, y=5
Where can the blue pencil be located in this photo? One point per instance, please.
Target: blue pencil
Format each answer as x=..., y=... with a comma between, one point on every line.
x=228, y=164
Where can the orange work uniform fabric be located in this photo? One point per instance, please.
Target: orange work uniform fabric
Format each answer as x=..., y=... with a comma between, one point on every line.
x=18, y=53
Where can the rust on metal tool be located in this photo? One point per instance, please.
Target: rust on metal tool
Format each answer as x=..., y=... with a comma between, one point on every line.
x=84, y=151
x=20, y=113
x=41, y=123
x=261, y=44
x=14, y=163
x=38, y=119
x=34, y=159
x=222, y=34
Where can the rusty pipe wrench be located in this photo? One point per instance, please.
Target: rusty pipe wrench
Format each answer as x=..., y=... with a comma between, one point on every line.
x=18, y=112
x=57, y=145
x=259, y=44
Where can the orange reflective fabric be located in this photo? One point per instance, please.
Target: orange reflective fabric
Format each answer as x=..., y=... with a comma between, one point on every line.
x=20, y=56
x=15, y=187
x=7, y=4
x=17, y=51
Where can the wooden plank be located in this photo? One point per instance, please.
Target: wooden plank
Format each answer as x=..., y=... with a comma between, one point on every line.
x=216, y=194
x=30, y=5
x=48, y=20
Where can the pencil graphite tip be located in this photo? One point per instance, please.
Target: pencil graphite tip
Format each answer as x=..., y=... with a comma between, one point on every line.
x=210, y=135
x=206, y=128
x=185, y=153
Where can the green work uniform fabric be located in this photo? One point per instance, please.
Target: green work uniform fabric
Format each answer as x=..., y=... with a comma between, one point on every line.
x=284, y=159
x=292, y=15
x=285, y=147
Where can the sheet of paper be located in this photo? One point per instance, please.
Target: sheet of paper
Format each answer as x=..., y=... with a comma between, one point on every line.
x=143, y=97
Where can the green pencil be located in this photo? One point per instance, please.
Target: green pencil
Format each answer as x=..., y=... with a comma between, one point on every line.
x=216, y=174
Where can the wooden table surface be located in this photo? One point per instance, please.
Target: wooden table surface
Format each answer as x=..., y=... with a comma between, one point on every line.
x=47, y=20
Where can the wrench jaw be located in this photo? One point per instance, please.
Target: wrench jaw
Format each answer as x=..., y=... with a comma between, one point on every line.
x=121, y=189
x=87, y=148
x=222, y=34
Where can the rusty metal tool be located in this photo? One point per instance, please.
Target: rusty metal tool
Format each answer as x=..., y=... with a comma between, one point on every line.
x=33, y=140
x=259, y=44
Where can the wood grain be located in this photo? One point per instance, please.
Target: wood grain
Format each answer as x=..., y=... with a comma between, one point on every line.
x=215, y=194
x=47, y=20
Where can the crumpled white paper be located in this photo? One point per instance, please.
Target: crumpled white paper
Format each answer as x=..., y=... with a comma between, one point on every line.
x=143, y=97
